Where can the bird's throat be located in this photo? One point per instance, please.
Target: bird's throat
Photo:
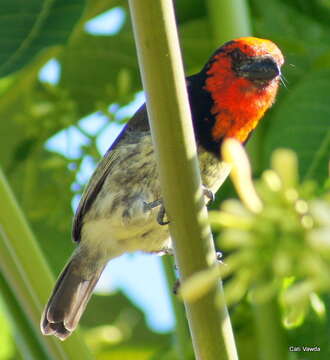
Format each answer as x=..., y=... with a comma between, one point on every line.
x=238, y=107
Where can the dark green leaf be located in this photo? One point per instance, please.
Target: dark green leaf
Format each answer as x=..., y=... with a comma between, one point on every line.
x=26, y=27
x=302, y=123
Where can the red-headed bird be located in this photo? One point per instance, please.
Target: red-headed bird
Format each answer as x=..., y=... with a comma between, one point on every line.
x=121, y=209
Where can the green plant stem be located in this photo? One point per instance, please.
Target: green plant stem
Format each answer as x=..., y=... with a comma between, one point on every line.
x=183, y=339
x=24, y=335
x=229, y=19
x=271, y=340
x=168, y=108
x=28, y=275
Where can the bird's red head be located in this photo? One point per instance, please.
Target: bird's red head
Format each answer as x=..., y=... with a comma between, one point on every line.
x=242, y=78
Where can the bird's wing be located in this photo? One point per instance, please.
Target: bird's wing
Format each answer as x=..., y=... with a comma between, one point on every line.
x=138, y=123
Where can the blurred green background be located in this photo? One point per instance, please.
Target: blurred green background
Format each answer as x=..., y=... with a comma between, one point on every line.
x=98, y=74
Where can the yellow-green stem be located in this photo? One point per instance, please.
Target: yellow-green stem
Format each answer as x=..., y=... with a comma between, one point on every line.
x=229, y=20
x=168, y=108
x=271, y=340
x=27, y=343
x=28, y=275
x=183, y=339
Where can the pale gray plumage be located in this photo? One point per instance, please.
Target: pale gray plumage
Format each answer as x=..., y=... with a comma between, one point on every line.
x=111, y=219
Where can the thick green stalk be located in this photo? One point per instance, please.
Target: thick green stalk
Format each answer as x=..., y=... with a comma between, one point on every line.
x=229, y=19
x=28, y=275
x=24, y=335
x=183, y=339
x=271, y=340
x=168, y=108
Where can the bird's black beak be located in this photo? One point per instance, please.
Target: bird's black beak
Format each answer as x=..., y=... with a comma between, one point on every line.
x=260, y=69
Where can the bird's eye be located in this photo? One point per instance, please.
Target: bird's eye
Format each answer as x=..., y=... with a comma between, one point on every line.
x=237, y=55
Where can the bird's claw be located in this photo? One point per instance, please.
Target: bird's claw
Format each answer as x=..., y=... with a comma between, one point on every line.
x=208, y=193
x=151, y=205
x=176, y=287
x=177, y=283
x=218, y=256
x=161, y=214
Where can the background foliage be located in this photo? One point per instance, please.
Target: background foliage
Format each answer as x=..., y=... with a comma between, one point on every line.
x=101, y=70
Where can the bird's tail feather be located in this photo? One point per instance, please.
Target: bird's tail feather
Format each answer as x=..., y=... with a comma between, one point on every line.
x=68, y=300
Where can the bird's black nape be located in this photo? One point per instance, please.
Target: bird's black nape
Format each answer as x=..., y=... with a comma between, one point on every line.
x=201, y=104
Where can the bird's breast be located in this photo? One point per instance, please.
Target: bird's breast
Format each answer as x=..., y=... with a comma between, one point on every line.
x=118, y=216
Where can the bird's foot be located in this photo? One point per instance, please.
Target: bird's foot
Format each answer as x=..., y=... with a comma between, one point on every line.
x=164, y=251
x=161, y=214
x=176, y=287
x=208, y=193
x=177, y=283
x=219, y=256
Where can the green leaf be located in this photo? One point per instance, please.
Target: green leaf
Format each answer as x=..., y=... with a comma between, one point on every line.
x=117, y=310
x=302, y=123
x=7, y=349
x=196, y=44
x=312, y=334
x=189, y=9
x=116, y=328
x=26, y=27
x=93, y=68
x=45, y=197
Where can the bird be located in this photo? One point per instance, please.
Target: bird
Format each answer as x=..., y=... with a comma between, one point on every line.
x=121, y=209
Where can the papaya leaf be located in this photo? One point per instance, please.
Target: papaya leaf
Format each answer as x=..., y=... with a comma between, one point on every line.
x=302, y=123
x=29, y=26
